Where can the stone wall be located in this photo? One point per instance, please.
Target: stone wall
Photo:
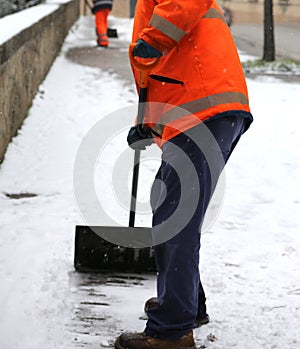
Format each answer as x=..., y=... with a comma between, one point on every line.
x=25, y=60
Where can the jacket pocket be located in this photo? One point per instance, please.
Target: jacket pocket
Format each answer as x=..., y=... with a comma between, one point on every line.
x=166, y=79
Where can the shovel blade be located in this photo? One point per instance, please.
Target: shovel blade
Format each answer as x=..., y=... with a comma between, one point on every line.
x=112, y=33
x=95, y=253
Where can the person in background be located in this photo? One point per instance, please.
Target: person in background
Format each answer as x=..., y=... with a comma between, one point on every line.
x=197, y=111
x=101, y=10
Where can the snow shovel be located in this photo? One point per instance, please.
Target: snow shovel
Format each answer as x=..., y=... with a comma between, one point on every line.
x=94, y=253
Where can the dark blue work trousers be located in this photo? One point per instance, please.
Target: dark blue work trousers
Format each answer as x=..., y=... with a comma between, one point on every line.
x=191, y=165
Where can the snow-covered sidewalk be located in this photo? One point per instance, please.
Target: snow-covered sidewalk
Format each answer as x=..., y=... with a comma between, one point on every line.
x=250, y=257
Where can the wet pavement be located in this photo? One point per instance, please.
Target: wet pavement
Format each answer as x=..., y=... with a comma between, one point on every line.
x=114, y=58
x=250, y=38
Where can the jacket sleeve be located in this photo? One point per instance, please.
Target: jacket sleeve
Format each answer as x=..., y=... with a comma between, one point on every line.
x=172, y=20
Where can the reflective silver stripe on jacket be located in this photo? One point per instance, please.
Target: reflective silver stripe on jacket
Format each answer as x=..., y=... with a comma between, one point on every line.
x=167, y=28
x=214, y=13
x=174, y=32
x=102, y=2
x=199, y=105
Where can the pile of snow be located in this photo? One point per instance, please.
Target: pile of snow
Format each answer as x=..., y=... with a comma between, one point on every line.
x=280, y=67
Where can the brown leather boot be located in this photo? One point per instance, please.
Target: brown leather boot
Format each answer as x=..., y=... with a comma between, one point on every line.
x=202, y=319
x=141, y=341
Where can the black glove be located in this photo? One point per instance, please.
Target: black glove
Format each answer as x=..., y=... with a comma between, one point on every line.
x=139, y=137
x=144, y=50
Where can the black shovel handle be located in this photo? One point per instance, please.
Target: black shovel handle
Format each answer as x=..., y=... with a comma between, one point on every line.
x=144, y=69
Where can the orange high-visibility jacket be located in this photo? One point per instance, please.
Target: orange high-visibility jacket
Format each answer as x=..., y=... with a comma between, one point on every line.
x=199, y=72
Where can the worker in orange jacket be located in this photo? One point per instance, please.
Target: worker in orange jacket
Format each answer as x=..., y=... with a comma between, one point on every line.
x=197, y=110
x=101, y=10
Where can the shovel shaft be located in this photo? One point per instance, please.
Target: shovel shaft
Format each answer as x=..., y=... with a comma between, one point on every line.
x=137, y=156
x=142, y=105
x=135, y=179
x=144, y=69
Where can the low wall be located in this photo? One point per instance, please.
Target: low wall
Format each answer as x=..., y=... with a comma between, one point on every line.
x=25, y=60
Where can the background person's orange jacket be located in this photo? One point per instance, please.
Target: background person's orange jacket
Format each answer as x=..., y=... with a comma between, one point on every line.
x=200, y=71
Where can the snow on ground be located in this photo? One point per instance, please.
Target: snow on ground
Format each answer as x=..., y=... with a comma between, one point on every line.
x=250, y=256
